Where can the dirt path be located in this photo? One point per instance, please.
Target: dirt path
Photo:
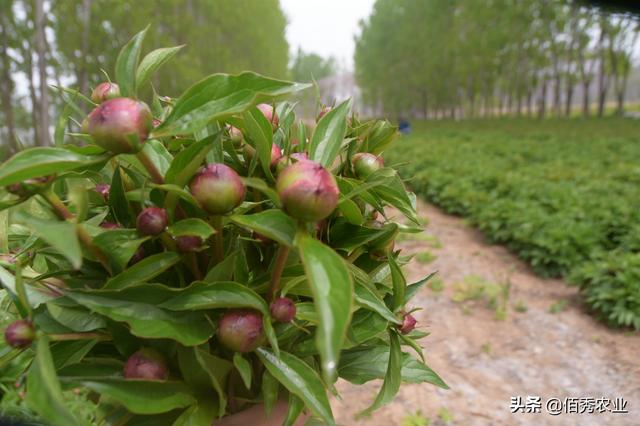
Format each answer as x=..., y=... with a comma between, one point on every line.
x=485, y=360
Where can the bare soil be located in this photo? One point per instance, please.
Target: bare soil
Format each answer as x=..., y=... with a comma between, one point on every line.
x=486, y=360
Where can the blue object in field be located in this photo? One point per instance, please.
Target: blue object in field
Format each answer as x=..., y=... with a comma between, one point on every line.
x=404, y=126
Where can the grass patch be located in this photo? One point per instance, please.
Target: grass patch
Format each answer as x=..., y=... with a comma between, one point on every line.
x=425, y=257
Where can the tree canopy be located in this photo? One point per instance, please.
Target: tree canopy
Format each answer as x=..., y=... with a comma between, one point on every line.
x=486, y=57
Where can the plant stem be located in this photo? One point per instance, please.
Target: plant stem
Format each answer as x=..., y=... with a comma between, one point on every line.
x=355, y=255
x=218, y=239
x=278, y=267
x=193, y=265
x=78, y=336
x=57, y=205
x=64, y=214
x=150, y=167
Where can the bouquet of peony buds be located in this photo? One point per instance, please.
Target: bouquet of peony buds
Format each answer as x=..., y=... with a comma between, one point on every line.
x=183, y=262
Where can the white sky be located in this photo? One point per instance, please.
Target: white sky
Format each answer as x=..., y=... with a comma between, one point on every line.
x=325, y=27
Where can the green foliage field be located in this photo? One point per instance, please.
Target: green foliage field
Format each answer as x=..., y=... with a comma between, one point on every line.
x=562, y=194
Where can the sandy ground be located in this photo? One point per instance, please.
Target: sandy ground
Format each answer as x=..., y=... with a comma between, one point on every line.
x=486, y=361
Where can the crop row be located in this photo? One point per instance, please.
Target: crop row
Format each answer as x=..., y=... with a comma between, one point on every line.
x=564, y=196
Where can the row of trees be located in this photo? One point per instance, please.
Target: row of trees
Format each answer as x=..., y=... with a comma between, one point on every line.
x=485, y=57
x=69, y=42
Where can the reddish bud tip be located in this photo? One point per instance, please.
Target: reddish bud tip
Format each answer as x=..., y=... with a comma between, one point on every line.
x=283, y=309
x=115, y=124
x=365, y=163
x=105, y=91
x=217, y=188
x=188, y=243
x=235, y=135
x=325, y=109
x=308, y=191
x=146, y=364
x=156, y=123
x=241, y=330
x=103, y=189
x=137, y=256
x=151, y=221
x=270, y=114
x=408, y=324
x=20, y=334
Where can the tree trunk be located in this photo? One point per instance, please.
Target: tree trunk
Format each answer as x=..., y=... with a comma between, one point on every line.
x=542, y=110
x=620, y=95
x=43, y=129
x=83, y=77
x=569, y=99
x=586, y=86
x=529, y=102
x=7, y=88
x=32, y=94
x=602, y=77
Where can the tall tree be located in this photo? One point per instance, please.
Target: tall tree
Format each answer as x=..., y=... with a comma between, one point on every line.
x=7, y=82
x=41, y=46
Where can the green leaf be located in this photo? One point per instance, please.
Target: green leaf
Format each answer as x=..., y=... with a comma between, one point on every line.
x=260, y=136
x=351, y=211
x=219, y=96
x=332, y=289
x=59, y=235
x=142, y=396
x=294, y=409
x=117, y=198
x=71, y=352
x=217, y=369
x=262, y=186
x=365, y=297
x=36, y=162
x=244, y=368
x=146, y=320
x=392, y=378
x=144, y=270
x=223, y=271
x=365, y=363
x=413, y=289
x=191, y=226
x=329, y=134
x=119, y=245
x=201, y=414
x=45, y=394
x=269, y=389
x=152, y=61
x=273, y=224
x=399, y=284
x=203, y=295
x=156, y=152
x=126, y=64
x=299, y=379
x=393, y=192
x=75, y=318
x=188, y=161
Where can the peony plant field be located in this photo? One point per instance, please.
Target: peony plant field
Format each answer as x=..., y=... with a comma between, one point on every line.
x=563, y=195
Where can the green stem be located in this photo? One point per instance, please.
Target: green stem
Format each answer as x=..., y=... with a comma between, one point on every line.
x=155, y=174
x=218, y=239
x=278, y=267
x=20, y=290
x=78, y=336
x=64, y=214
x=355, y=255
x=193, y=265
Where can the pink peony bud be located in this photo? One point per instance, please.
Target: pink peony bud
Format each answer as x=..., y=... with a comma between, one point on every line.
x=217, y=188
x=283, y=309
x=116, y=123
x=105, y=91
x=103, y=189
x=269, y=114
x=146, y=364
x=151, y=221
x=241, y=330
x=408, y=324
x=20, y=334
x=188, y=243
x=308, y=191
x=364, y=164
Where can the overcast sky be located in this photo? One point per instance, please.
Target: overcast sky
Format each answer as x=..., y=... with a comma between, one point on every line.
x=325, y=27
